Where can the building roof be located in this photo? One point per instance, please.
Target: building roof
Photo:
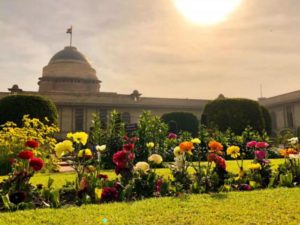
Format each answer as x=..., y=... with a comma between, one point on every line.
x=68, y=53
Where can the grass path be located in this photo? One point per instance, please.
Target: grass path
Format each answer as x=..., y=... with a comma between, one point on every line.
x=274, y=206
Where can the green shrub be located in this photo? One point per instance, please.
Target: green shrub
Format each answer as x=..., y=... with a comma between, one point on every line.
x=181, y=121
x=14, y=107
x=236, y=114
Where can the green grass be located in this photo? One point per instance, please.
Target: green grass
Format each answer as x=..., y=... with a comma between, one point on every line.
x=61, y=178
x=273, y=206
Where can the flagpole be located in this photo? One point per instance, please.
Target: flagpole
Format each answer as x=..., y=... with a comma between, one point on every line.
x=71, y=39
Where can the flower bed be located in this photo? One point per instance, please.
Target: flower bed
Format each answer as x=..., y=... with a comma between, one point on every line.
x=139, y=180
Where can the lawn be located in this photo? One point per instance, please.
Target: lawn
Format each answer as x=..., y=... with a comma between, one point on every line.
x=61, y=178
x=273, y=206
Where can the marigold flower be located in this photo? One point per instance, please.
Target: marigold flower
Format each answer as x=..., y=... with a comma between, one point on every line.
x=32, y=144
x=233, y=151
x=36, y=163
x=85, y=153
x=63, y=148
x=196, y=141
x=155, y=158
x=215, y=146
x=186, y=146
x=176, y=151
x=255, y=166
x=150, y=145
x=287, y=152
x=142, y=166
x=25, y=154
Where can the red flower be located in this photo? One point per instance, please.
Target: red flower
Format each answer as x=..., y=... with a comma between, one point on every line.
x=36, y=163
x=12, y=161
x=26, y=154
x=121, y=158
x=102, y=176
x=32, y=144
x=211, y=157
x=128, y=147
x=109, y=194
x=220, y=162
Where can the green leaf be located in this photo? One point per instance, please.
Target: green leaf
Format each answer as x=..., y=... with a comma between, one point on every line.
x=6, y=201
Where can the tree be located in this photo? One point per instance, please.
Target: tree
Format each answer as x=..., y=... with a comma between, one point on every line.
x=181, y=121
x=14, y=107
x=236, y=114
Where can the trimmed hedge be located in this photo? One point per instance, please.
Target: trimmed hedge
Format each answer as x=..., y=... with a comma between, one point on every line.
x=181, y=121
x=14, y=107
x=267, y=119
x=236, y=114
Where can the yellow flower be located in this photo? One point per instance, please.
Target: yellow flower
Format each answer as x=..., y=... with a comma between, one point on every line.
x=150, y=145
x=233, y=151
x=142, y=166
x=196, y=141
x=63, y=148
x=87, y=153
x=177, y=151
x=255, y=166
x=101, y=148
x=69, y=135
x=98, y=193
x=91, y=168
x=155, y=158
x=80, y=137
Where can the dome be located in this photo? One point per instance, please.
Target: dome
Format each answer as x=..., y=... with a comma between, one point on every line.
x=68, y=53
x=69, y=71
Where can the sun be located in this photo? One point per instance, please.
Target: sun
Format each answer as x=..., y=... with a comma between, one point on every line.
x=206, y=12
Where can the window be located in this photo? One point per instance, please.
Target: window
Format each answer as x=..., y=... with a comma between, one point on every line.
x=125, y=117
x=79, y=119
x=289, y=116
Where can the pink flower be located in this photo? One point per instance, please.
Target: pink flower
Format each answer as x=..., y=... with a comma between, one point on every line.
x=172, y=136
x=262, y=145
x=260, y=155
x=251, y=144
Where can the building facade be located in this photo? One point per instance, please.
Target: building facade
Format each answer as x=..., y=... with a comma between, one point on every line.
x=72, y=84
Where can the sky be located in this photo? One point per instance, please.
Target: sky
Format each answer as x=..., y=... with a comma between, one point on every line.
x=150, y=46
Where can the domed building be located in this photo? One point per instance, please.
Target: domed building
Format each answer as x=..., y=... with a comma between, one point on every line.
x=69, y=71
x=70, y=81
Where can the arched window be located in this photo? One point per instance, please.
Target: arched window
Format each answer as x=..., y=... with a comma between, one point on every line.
x=125, y=117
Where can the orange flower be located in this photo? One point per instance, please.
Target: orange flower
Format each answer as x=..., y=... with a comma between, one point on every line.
x=215, y=146
x=186, y=146
x=287, y=152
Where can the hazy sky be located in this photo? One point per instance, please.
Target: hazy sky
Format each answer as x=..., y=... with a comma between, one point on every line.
x=148, y=45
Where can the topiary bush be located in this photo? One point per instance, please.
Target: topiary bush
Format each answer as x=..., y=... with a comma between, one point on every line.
x=14, y=107
x=181, y=121
x=236, y=114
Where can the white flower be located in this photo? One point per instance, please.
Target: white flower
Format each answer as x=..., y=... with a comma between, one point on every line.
x=293, y=141
x=101, y=148
x=294, y=156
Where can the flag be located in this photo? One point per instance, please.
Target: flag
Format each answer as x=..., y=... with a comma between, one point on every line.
x=69, y=30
